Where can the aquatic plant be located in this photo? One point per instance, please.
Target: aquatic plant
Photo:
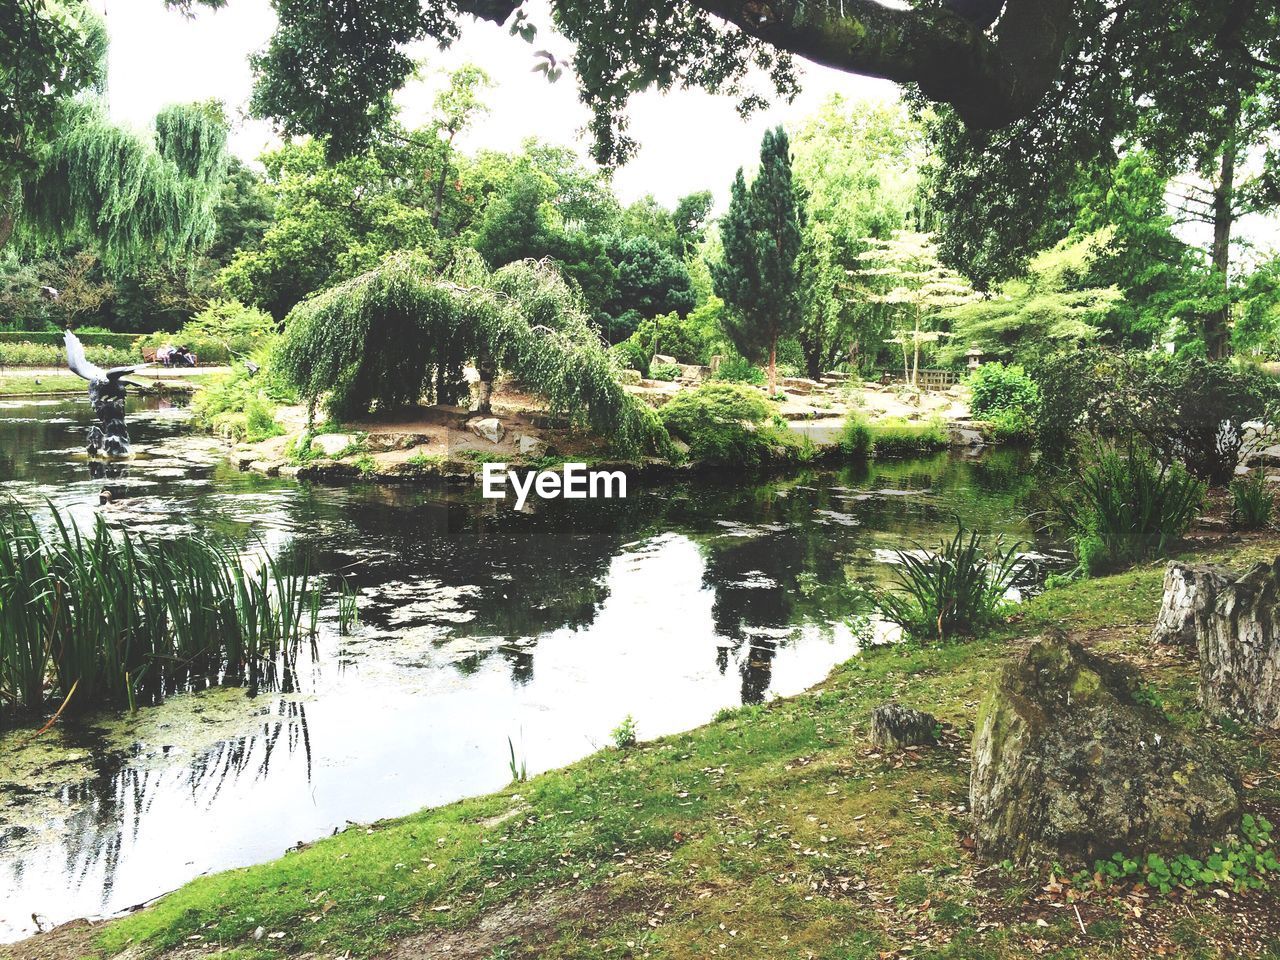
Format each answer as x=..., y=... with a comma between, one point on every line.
x=100, y=618
x=520, y=770
x=1125, y=506
x=953, y=590
x=1252, y=502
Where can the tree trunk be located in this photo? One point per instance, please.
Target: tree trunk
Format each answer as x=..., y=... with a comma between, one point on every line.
x=1239, y=643
x=1190, y=592
x=8, y=220
x=440, y=181
x=1217, y=325
x=773, y=367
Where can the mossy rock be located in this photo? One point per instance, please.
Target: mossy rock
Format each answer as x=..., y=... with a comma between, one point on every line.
x=1070, y=765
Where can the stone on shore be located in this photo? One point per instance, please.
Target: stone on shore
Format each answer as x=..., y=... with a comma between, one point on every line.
x=894, y=727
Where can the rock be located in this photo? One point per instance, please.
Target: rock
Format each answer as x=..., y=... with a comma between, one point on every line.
x=714, y=364
x=331, y=444
x=487, y=428
x=1068, y=765
x=268, y=468
x=531, y=447
x=894, y=726
x=629, y=378
x=1189, y=590
x=694, y=373
x=660, y=358
x=1239, y=643
x=800, y=385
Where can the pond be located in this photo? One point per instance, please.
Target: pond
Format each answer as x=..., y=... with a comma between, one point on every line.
x=484, y=633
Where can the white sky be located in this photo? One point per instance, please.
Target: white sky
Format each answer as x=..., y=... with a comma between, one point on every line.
x=689, y=140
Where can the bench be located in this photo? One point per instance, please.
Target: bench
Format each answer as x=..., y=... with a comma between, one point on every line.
x=149, y=356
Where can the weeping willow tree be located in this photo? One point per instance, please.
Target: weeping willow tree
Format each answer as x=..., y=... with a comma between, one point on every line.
x=69, y=176
x=398, y=333
x=132, y=196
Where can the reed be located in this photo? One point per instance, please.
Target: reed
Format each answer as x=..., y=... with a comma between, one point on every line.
x=122, y=619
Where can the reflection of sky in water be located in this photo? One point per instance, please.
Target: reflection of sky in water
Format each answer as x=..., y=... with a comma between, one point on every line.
x=478, y=624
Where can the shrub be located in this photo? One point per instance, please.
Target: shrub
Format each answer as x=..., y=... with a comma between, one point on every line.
x=89, y=337
x=1011, y=426
x=241, y=405
x=953, y=591
x=664, y=371
x=856, y=439
x=726, y=424
x=735, y=369
x=1188, y=410
x=896, y=438
x=221, y=332
x=632, y=355
x=1251, y=501
x=1126, y=507
x=624, y=735
x=998, y=389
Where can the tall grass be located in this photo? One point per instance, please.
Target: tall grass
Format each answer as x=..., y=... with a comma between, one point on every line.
x=1252, y=503
x=1125, y=507
x=954, y=590
x=98, y=618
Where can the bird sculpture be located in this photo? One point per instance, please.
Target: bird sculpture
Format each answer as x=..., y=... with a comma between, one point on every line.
x=108, y=438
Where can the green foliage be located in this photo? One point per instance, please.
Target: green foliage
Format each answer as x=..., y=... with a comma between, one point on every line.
x=1248, y=862
x=758, y=278
x=106, y=618
x=648, y=282
x=1252, y=502
x=1124, y=507
x=664, y=371
x=241, y=405
x=724, y=424
x=56, y=338
x=899, y=439
x=223, y=331
x=47, y=355
x=737, y=369
x=998, y=389
x=1049, y=308
x=395, y=334
x=1188, y=410
x=135, y=198
x=857, y=440
x=857, y=165
x=952, y=591
x=624, y=734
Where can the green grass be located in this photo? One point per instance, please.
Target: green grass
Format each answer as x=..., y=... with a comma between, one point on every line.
x=58, y=384
x=772, y=830
x=897, y=438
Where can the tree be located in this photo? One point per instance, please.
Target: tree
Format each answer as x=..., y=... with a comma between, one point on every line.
x=330, y=69
x=1192, y=82
x=857, y=165
x=243, y=212
x=1048, y=309
x=456, y=106
x=691, y=217
x=332, y=221
x=908, y=275
x=648, y=282
x=758, y=277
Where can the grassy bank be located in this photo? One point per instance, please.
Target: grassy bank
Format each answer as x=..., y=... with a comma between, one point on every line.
x=773, y=832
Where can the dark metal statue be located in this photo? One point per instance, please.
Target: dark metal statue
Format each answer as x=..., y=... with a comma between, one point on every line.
x=106, y=396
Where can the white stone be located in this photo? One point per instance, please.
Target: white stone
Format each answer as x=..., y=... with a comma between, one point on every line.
x=331, y=444
x=532, y=447
x=488, y=428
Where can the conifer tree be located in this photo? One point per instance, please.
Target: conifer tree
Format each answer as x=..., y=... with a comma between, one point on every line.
x=758, y=278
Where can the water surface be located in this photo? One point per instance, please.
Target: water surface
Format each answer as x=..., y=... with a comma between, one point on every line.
x=482, y=629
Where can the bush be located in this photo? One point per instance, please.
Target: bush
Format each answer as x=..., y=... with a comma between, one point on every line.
x=54, y=338
x=998, y=389
x=726, y=424
x=242, y=406
x=735, y=369
x=897, y=438
x=856, y=440
x=221, y=332
x=664, y=371
x=631, y=355
x=1187, y=410
x=953, y=591
x=1252, y=502
x=1127, y=507
x=1011, y=426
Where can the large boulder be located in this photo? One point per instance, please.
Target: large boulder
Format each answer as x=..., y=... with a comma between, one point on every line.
x=1190, y=591
x=1068, y=765
x=487, y=428
x=1239, y=644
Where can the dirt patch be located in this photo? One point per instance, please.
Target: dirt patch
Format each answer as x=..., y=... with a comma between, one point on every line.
x=70, y=941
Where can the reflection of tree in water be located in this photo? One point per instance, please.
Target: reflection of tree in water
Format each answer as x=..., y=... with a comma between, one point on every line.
x=108, y=808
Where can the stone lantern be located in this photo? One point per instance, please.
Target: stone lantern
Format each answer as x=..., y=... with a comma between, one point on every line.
x=974, y=356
